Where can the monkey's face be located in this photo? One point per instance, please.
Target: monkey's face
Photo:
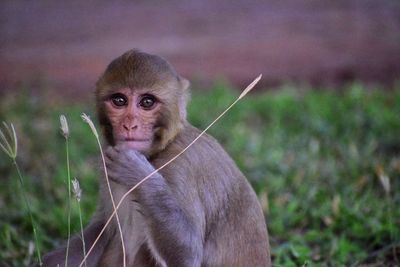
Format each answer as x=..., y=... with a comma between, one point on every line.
x=133, y=115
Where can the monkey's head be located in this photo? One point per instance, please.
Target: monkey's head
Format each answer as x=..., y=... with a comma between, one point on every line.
x=141, y=102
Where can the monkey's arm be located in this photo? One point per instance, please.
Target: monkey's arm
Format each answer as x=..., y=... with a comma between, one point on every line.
x=176, y=229
x=75, y=253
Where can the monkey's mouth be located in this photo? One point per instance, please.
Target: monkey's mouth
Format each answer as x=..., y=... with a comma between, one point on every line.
x=136, y=140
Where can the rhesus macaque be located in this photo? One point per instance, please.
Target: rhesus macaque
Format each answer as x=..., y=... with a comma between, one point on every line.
x=198, y=211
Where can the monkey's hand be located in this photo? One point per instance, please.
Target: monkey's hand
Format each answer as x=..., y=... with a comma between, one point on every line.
x=126, y=166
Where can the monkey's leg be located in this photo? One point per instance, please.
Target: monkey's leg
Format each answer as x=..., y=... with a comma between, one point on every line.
x=175, y=230
x=75, y=253
x=144, y=258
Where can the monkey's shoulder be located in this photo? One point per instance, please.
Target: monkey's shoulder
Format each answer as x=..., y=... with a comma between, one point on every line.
x=207, y=168
x=205, y=157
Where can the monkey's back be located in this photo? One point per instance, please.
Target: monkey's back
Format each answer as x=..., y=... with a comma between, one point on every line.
x=235, y=232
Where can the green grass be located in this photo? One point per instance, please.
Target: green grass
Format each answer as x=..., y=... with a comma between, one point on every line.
x=314, y=157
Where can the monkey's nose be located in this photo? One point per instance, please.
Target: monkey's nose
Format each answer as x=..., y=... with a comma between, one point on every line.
x=129, y=126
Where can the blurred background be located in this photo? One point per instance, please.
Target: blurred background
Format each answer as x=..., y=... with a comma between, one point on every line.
x=67, y=44
x=322, y=149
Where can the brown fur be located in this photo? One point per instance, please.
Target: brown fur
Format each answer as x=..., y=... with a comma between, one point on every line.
x=234, y=228
x=197, y=211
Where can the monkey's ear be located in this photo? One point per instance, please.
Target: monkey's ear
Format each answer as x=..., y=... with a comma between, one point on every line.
x=184, y=98
x=184, y=83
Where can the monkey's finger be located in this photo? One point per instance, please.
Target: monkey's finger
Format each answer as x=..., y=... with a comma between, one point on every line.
x=111, y=164
x=136, y=156
x=131, y=155
x=108, y=160
x=111, y=173
x=111, y=153
x=120, y=148
x=114, y=175
x=108, y=150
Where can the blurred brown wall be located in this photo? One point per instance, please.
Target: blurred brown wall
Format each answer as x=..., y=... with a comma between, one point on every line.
x=67, y=44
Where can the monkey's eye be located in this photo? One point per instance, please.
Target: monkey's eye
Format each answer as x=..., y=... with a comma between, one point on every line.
x=119, y=100
x=147, y=102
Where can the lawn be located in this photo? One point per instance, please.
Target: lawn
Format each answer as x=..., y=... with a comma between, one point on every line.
x=325, y=165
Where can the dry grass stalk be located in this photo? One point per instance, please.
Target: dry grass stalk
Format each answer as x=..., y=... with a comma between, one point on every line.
x=78, y=194
x=8, y=141
x=9, y=144
x=64, y=126
x=384, y=179
x=87, y=119
x=65, y=132
x=77, y=189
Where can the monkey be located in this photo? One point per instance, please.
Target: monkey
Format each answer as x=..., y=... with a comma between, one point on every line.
x=199, y=210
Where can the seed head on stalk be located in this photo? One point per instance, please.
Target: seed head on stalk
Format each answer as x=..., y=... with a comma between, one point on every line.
x=9, y=144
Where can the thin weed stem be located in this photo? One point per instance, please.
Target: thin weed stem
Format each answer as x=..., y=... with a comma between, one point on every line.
x=245, y=91
x=78, y=194
x=65, y=133
x=28, y=207
x=9, y=144
x=83, y=237
x=94, y=131
x=113, y=204
x=69, y=201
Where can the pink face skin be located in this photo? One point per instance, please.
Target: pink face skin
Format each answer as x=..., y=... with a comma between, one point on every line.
x=133, y=114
